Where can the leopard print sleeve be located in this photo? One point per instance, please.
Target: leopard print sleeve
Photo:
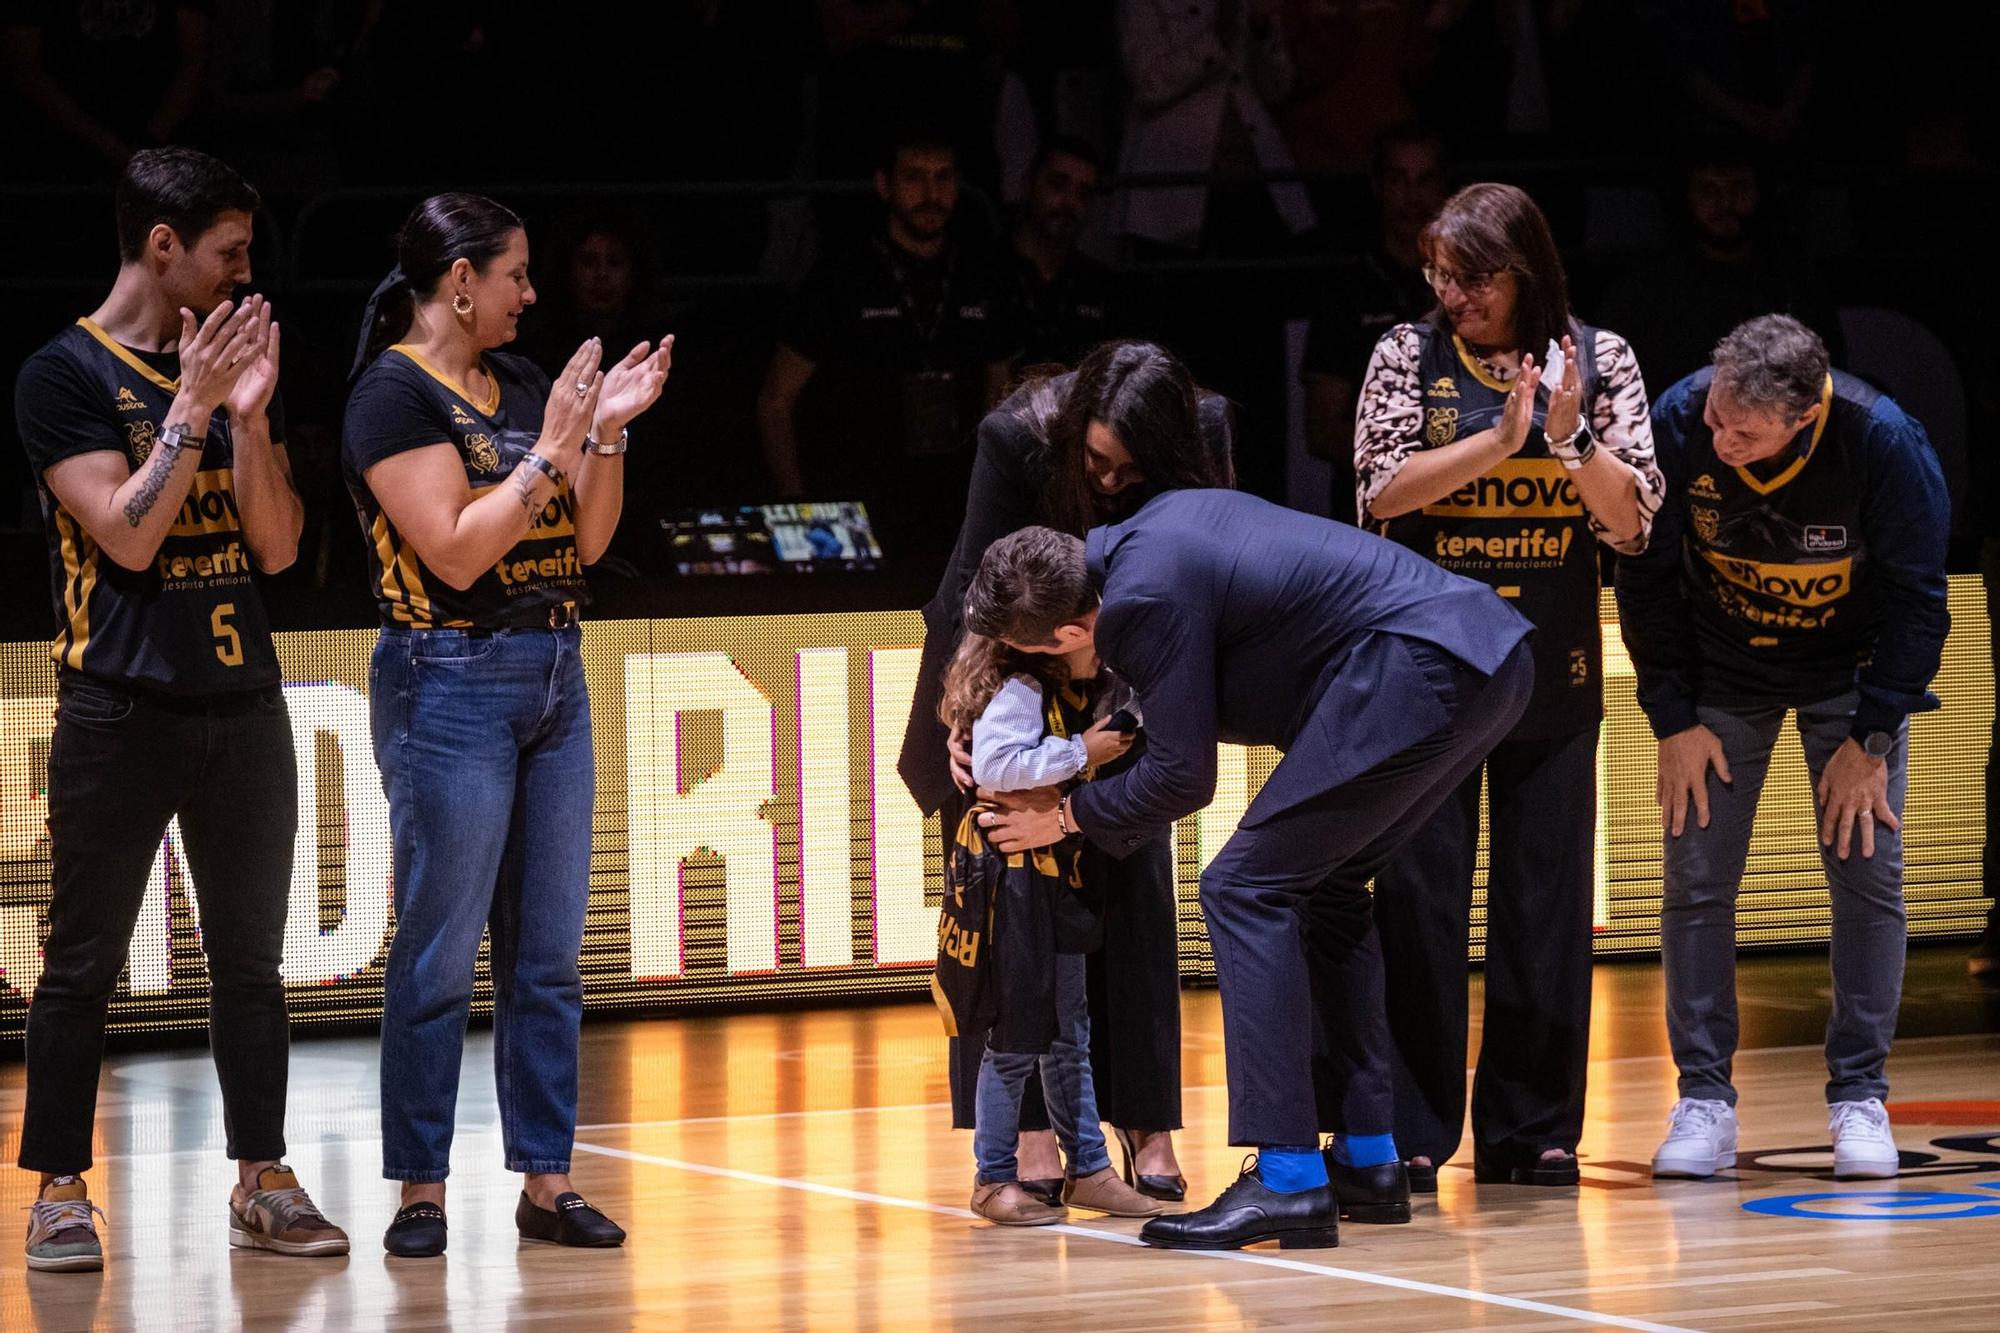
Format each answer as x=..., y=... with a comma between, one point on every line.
x=1621, y=420
x=1388, y=419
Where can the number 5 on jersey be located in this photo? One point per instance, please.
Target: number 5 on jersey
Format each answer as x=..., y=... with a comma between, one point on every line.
x=228, y=643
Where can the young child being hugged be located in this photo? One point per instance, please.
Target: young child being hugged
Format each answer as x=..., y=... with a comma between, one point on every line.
x=1030, y=719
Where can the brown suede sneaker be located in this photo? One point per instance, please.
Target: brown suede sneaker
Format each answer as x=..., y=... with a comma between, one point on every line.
x=279, y=1216
x=1005, y=1202
x=1104, y=1192
x=62, y=1235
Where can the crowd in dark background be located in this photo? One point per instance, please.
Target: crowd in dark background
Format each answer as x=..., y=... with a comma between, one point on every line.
x=1207, y=173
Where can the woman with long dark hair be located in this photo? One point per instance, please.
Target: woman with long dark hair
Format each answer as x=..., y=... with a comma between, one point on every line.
x=1507, y=441
x=483, y=492
x=1071, y=451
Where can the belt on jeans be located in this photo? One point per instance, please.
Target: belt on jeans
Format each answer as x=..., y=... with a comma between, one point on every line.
x=559, y=617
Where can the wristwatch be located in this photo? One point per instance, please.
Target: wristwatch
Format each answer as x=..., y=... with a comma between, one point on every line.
x=1877, y=744
x=179, y=436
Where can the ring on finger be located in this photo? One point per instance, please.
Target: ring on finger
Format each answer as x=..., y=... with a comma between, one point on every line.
x=582, y=388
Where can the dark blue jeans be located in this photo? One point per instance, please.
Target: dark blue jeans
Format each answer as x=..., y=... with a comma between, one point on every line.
x=484, y=745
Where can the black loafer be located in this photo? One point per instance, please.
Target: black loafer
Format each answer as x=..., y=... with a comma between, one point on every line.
x=1173, y=1189
x=1370, y=1193
x=1049, y=1192
x=1423, y=1177
x=570, y=1222
x=416, y=1233
x=1248, y=1212
x=1492, y=1166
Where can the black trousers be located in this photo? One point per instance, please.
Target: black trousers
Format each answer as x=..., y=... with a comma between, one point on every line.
x=1133, y=983
x=1534, y=1058
x=1305, y=1035
x=121, y=765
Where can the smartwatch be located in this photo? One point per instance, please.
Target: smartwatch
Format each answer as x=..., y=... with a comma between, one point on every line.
x=1877, y=744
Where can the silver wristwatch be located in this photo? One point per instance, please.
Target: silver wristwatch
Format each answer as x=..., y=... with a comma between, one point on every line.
x=611, y=450
x=179, y=436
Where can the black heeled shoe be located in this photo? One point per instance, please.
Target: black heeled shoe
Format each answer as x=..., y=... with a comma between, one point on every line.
x=1172, y=1189
x=418, y=1232
x=1423, y=1177
x=1494, y=1166
x=1049, y=1192
x=1248, y=1212
x=570, y=1222
x=1369, y=1193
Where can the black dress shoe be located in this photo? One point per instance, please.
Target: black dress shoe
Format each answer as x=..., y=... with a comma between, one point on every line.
x=1173, y=1189
x=1423, y=1177
x=570, y=1222
x=416, y=1233
x=1525, y=1166
x=1049, y=1192
x=1370, y=1193
x=1248, y=1212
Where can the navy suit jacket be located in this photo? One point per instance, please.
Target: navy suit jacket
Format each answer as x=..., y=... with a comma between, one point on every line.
x=1236, y=620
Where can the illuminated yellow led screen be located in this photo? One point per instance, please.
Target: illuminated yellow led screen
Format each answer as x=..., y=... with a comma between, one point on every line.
x=753, y=843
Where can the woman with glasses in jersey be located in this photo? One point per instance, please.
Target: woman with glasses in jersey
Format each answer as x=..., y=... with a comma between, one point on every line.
x=1508, y=442
x=483, y=491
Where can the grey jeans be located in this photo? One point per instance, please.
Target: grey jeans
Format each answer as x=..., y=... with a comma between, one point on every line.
x=1704, y=867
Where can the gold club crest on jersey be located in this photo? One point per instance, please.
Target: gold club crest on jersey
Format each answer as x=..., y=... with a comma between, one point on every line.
x=480, y=449
x=139, y=434
x=1440, y=425
x=1707, y=522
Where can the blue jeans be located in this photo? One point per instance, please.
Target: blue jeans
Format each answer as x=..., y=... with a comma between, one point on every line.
x=484, y=745
x=1067, y=1090
x=1704, y=868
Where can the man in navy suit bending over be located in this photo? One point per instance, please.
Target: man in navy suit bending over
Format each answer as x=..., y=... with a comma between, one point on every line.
x=1385, y=680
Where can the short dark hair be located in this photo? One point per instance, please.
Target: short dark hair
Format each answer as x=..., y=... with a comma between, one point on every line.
x=1028, y=583
x=913, y=140
x=1069, y=145
x=1497, y=228
x=185, y=189
x=1771, y=363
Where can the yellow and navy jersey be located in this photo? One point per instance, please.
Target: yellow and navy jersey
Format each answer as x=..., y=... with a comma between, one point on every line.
x=402, y=402
x=1520, y=528
x=193, y=621
x=1795, y=580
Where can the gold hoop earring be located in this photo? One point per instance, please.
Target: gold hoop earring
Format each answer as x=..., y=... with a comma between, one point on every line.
x=461, y=305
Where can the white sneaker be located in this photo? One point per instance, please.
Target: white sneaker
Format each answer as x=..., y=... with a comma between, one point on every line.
x=1701, y=1139
x=1863, y=1146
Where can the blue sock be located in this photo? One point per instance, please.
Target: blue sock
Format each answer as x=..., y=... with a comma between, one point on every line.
x=1364, y=1149
x=1290, y=1170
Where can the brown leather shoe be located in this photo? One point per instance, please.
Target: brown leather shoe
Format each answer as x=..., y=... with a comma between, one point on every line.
x=1104, y=1192
x=1005, y=1202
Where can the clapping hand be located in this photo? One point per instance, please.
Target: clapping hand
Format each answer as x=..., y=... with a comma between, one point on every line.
x=572, y=403
x=259, y=379
x=632, y=386
x=216, y=355
x=1566, y=399
x=1519, y=415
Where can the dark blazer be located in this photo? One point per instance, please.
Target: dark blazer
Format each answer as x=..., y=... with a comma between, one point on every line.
x=1236, y=620
x=1008, y=476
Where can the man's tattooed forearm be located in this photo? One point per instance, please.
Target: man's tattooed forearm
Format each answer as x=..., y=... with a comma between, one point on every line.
x=158, y=469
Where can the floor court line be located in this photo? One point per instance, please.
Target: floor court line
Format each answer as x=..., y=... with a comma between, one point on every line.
x=1233, y=1256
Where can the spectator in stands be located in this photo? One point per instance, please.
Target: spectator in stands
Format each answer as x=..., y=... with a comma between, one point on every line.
x=1202, y=74
x=92, y=83
x=1385, y=289
x=891, y=354
x=1725, y=271
x=1063, y=302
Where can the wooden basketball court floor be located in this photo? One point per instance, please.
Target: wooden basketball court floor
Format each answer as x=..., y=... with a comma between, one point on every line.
x=794, y=1170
